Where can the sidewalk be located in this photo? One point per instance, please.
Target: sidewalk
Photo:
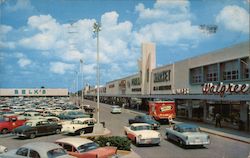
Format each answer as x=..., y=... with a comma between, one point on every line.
x=209, y=128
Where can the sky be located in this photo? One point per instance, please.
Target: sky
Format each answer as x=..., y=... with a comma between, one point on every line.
x=42, y=41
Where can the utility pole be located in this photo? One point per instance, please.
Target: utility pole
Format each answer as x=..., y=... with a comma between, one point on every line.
x=81, y=69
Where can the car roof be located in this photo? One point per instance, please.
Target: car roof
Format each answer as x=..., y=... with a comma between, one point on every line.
x=83, y=119
x=185, y=125
x=140, y=124
x=42, y=146
x=76, y=142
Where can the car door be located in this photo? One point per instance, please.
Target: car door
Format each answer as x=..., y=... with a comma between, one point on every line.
x=41, y=127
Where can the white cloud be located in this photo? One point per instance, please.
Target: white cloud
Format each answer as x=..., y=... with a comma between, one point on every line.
x=168, y=34
x=48, y=33
x=234, y=18
x=60, y=67
x=166, y=10
x=4, y=29
x=23, y=62
x=20, y=5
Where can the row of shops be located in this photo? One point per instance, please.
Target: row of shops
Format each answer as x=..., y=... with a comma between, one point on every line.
x=216, y=82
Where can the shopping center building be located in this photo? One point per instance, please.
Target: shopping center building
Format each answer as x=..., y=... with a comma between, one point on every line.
x=216, y=82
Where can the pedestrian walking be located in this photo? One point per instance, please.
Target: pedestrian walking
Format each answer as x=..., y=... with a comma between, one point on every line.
x=217, y=120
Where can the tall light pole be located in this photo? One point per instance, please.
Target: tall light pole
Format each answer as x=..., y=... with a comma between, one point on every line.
x=96, y=30
x=81, y=69
x=76, y=87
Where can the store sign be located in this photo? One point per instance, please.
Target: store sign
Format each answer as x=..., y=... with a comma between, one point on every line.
x=221, y=88
x=29, y=91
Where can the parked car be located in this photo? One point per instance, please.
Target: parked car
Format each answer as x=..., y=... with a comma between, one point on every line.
x=85, y=148
x=142, y=133
x=53, y=119
x=31, y=115
x=79, y=126
x=37, y=150
x=33, y=128
x=115, y=109
x=73, y=114
x=9, y=123
x=186, y=134
x=145, y=119
x=3, y=149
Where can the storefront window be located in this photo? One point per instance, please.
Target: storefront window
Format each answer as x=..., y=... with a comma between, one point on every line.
x=182, y=108
x=197, y=110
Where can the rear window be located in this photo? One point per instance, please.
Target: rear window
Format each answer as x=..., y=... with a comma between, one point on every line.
x=87, y=147
x=56, y=153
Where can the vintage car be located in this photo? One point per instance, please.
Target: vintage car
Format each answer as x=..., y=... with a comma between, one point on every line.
x=186, y=134
x=145, y=119
x=115, y=109
x=85, y=148
x=79, y=126
x=3, y=149
x=9, y=123
x=142, y=133
x=73, y=114
x=33, y=128
x=37, y=150
x=30, y=115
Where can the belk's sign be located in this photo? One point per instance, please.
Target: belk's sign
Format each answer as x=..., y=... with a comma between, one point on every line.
x=221, y=88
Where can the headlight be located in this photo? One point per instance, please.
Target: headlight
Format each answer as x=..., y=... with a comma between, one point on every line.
x=139, y=136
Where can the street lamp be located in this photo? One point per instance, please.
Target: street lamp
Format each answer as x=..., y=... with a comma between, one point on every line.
x=76, y=87
x=97, y=28
x=81, y=69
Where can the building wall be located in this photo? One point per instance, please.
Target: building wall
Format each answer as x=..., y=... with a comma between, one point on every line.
x=33, y=92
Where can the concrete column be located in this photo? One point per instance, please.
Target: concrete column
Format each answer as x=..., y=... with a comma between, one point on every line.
x=189, y=109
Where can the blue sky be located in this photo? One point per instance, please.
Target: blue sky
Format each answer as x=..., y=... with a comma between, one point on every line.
x=42, y=41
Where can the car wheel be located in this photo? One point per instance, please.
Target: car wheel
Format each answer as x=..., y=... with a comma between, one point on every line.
x=181, y=143
x=58, y=131
x=136, y=142
x=4, y=131
x=32, y=135
x=167, y=136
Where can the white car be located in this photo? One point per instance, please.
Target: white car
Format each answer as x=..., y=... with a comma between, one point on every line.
x=37, y=150
x=187, y=134
x=79, y=126
x=3, y=149
x=142, y=133
x=30, y=116
x=115, y=109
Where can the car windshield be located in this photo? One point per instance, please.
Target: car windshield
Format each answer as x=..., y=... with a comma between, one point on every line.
x=139, y=128
x=87, y=147
x=56, y=153
x=190, y=130
x=28, y=123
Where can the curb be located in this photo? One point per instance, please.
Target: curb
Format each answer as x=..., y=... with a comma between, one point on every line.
x=106, y=132
x=229, y=136
x=132, y=154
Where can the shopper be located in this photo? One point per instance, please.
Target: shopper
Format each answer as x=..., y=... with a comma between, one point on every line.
x=217, y=120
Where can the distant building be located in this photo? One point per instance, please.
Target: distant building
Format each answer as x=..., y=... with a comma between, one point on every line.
x=38, y=92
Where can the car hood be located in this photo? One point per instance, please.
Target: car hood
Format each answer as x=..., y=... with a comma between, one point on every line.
x=103, y=152
x=22, y=128
x=147, y=134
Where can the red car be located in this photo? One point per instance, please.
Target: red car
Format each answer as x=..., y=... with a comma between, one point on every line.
x=8, y=123
x=85, y=148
